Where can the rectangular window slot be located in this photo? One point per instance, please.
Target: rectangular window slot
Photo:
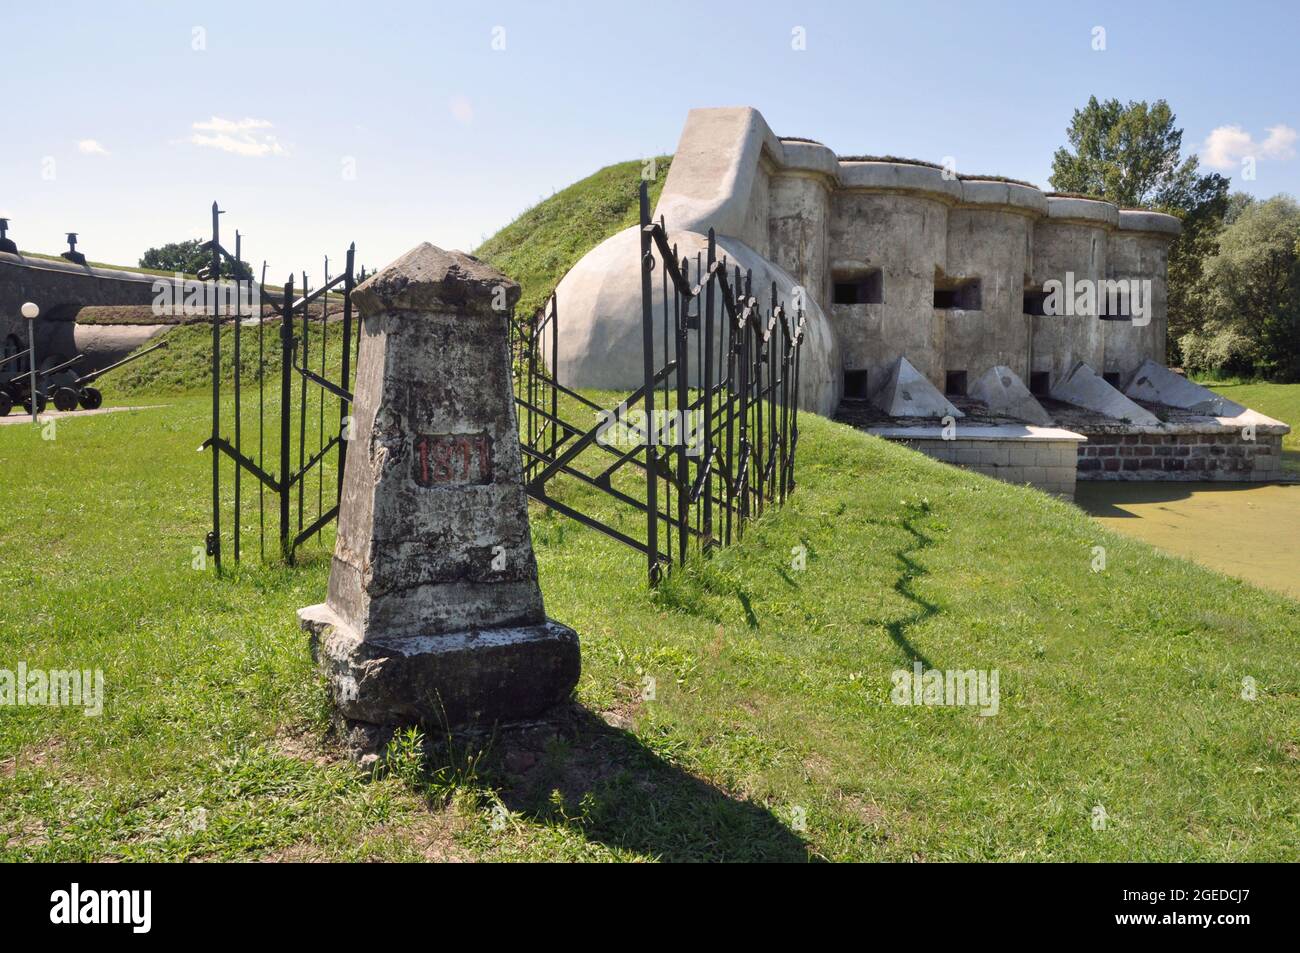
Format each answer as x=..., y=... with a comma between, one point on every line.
x=1040, y=383
x=861, y=288
x=1114, y=307
x=957, y=295
x=1111, y=378
x=955, y=384
x=855, y=385
x=1035, y=302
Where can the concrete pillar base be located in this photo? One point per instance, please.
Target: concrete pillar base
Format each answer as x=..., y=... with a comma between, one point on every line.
x=449, y=680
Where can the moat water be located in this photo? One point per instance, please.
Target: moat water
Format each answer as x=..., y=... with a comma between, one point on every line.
x=1245, y=530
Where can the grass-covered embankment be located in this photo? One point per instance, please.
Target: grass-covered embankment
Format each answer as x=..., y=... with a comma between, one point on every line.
x=1120, y=688
x=543, y=243
x=1279, y=401
x=771, y=733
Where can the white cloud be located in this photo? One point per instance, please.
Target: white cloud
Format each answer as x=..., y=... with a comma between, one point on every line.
x=243, y=137
x=1226, y=146
x=91, y=147
x=461, y=109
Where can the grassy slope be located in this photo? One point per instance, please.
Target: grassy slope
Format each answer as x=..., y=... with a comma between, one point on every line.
x=543, y=243
x=1119, y=688
x=536, y=250
x=1279, y=401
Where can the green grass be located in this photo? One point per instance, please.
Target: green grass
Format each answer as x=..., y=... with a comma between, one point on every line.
x=535, y=250
x=1279, y=401
x=1120, y=688
x=543, y=243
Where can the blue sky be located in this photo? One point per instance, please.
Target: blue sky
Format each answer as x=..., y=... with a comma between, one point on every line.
x=118, y=127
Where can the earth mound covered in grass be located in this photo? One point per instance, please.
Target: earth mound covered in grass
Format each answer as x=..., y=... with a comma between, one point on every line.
x=536, y=250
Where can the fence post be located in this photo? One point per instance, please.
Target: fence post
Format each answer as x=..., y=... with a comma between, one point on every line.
x=551, y=426
x=286, y=370
x=302, y=397
x=215, y=543
x=648, y=362
x=706, y=328
x=681, y=314
x=237, y=361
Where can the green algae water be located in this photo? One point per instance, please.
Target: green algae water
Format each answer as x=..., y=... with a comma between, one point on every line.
x=1250, y=531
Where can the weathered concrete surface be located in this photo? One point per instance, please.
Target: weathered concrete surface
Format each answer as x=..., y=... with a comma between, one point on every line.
x=600, y=318
x=1005, y=393
x=1086, y=388
x=434, y=611
x=105, y=344
x=475, y=677
x=907, y=393
x=1156, y=384
x=801, y=210
x=1043, y=457
x=905, y=237
x=61, y=288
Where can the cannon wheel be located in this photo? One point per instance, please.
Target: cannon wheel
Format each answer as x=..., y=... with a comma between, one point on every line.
x=6, y=404
x=40, y=403
x=65, y=399
x=91, y=398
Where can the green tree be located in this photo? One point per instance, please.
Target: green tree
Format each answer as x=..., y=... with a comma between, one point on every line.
x=188, y=257
x=1252, y=295
x=1131, y=154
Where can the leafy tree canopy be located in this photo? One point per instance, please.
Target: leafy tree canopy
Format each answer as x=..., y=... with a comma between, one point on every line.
x=1252, y=295
x=188, y=257
x=1131, y=154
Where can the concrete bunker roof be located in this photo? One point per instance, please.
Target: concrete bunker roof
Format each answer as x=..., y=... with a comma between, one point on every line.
x=722, y=149
x=45, y=263
x=913, y=176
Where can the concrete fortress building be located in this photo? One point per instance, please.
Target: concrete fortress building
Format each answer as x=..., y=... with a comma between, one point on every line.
x=923, y=283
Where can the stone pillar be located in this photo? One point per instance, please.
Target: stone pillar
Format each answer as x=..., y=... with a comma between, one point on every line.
x=434, y=614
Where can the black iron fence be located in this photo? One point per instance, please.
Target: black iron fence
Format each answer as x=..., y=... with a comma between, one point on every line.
x=294, y=436
x=709, y=438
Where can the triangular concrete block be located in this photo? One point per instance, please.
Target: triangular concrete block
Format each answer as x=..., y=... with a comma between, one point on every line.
x=909, y=393
x=1004, y=393
x=1157, y=384
x=1084, y=387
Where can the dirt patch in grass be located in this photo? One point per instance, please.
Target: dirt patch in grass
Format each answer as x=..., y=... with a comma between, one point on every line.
x=623, y=714
x=302, y=744
x=26, y=833
x=430, y=837
x=38, y=757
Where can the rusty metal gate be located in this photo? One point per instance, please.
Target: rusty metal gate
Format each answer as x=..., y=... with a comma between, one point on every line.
x=321, y=363
x=710, y=450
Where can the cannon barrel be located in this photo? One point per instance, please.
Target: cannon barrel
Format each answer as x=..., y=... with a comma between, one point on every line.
x=96, y=375
x=61, y=367
x=23, y=377
x=13, y=357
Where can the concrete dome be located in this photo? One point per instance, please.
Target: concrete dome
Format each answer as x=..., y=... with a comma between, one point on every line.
x=599, y=306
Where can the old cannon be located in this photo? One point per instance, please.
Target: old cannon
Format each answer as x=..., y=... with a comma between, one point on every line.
x=18, y=389
x=78, y=391
x=6, y=396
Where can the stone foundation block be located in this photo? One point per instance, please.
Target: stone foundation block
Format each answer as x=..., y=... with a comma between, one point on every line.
x=446, y=680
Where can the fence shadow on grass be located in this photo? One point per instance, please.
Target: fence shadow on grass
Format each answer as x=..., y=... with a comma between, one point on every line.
x=620, y=793
x=912, y=570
